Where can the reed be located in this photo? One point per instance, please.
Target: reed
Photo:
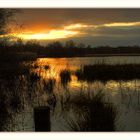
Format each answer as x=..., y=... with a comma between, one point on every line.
x=65, y=76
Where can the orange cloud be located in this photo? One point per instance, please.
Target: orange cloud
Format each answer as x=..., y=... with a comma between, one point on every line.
x=52, y=34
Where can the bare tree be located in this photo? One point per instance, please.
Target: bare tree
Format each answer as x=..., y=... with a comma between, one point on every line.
x=5, y=17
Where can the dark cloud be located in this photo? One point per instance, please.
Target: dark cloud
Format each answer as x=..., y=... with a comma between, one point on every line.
x=109, y=40
x=112, y=31
x=59, y=17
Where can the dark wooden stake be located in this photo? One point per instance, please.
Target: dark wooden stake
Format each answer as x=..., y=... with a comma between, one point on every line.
x=42, y=118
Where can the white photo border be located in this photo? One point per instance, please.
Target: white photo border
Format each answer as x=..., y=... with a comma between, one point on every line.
x=70, y=3
x=70, y=136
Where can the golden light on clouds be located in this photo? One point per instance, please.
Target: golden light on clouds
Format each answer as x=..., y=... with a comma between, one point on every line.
x=75, y=26
x=53, y=34
x=65, y=32
x=122, y=24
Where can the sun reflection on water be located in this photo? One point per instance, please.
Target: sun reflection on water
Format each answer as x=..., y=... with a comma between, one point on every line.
x=56, y=65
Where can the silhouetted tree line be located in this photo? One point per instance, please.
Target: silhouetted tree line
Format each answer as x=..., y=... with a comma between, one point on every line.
x=68, y=49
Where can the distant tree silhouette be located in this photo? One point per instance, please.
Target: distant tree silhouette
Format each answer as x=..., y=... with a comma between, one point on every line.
x=55, y=44
x=88, y=46
x=19, y=43
x=70, y=44
x=81, y=45
x=32, y=43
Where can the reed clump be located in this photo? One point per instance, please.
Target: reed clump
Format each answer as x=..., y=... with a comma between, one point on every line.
x=93, y=114
x=65, y=76
x=105, y=72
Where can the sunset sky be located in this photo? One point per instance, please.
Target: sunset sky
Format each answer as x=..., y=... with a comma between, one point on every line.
x=90, y=26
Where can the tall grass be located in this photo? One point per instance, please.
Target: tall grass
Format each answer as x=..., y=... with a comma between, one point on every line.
x=92, y=114
x=11, y=102
x=19, y=89
x=49, y=85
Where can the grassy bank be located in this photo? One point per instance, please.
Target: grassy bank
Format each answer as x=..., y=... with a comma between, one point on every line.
x=17, y=57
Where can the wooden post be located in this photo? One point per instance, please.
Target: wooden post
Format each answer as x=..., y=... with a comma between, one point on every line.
x=42, y=118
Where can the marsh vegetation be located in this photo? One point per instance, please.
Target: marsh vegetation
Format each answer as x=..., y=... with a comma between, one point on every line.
x=99, y=100
x=105, y=72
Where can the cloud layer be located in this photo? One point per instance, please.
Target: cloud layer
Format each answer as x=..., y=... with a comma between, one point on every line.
x=94, y=26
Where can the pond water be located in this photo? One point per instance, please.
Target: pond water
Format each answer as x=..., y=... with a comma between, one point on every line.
x=125, y=95
x=128, y=106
